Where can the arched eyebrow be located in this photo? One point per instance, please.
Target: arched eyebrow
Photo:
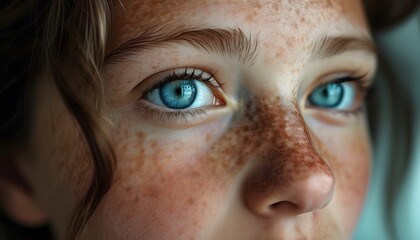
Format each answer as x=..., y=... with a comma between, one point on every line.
x=229, y=42
x=328, y=46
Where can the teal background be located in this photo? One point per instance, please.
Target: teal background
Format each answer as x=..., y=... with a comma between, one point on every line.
x=401, y=48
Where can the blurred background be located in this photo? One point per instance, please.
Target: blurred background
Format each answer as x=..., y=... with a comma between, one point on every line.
x=400, y=49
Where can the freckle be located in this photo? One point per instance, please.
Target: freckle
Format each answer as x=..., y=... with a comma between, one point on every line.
x=140, y=135
x=191, y=201
x=208, y=137
x=247, y=139
x=249, y=18
x=127, y=189
x=141, y=152
x=120, y=204
x=195, y=173
x=136, y=199
x=151, y=192
x=163, y=179
x=124, y=148
x=153, y=143
x=240, y=161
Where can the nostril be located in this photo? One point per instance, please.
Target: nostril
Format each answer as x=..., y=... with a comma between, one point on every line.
x=285, y=207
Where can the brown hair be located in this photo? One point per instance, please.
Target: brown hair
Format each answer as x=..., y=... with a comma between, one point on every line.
x=74, y=36
x=385, y=14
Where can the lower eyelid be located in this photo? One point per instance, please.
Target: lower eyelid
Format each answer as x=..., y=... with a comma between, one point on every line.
x=333, y=117
x=178, y=118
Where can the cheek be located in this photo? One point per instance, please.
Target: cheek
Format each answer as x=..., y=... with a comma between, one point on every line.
x=354, y=179
x=161, y=184
x=348, y=154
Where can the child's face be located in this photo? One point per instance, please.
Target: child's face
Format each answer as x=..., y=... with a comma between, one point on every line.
x=273, y=146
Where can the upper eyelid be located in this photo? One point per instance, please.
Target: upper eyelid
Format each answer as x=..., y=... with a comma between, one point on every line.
x=363, y=78
x=361, y=81
x=159, y=78
x=195, y=74
x=327, y=46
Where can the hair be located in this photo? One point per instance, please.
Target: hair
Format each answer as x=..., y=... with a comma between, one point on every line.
x=62, y=37
x=74, y=34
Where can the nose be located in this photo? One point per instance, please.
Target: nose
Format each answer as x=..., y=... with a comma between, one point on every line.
x=289, y=176
x=274, y=192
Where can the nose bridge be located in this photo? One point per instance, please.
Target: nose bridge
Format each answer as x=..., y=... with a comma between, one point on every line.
x=283, y=137
x=289, y=174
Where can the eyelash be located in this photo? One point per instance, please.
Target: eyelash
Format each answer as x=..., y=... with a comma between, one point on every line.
x=185, y=75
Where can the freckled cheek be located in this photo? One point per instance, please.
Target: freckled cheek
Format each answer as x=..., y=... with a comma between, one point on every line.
x=354, y=177
x=349, y=158
x=161, y=184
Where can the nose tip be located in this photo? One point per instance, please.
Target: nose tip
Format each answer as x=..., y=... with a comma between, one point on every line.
x=273, y=195
x=311, y=193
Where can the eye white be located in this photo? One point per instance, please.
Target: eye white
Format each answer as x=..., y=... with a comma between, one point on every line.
x=349, y=93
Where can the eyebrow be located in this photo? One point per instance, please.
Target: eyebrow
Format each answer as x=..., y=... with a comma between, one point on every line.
x=328, y=46
x=229, y=42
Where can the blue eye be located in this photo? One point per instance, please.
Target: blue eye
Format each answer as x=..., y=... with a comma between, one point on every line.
x=178, y=94
x=182, y=94
x=340, y=96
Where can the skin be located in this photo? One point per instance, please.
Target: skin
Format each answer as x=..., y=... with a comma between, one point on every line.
x=261, y=165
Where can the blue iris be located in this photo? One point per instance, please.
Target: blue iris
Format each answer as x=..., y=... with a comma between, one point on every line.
x=178, y=94
x=329, y=95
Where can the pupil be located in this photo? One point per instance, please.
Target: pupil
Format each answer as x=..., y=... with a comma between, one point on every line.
x=326, y=93
x=178, y=91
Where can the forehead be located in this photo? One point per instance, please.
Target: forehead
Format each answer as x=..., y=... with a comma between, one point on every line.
x=131, y=17
x=167, y=9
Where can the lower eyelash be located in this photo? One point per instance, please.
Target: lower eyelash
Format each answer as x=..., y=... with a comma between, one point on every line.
x=179, y=115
